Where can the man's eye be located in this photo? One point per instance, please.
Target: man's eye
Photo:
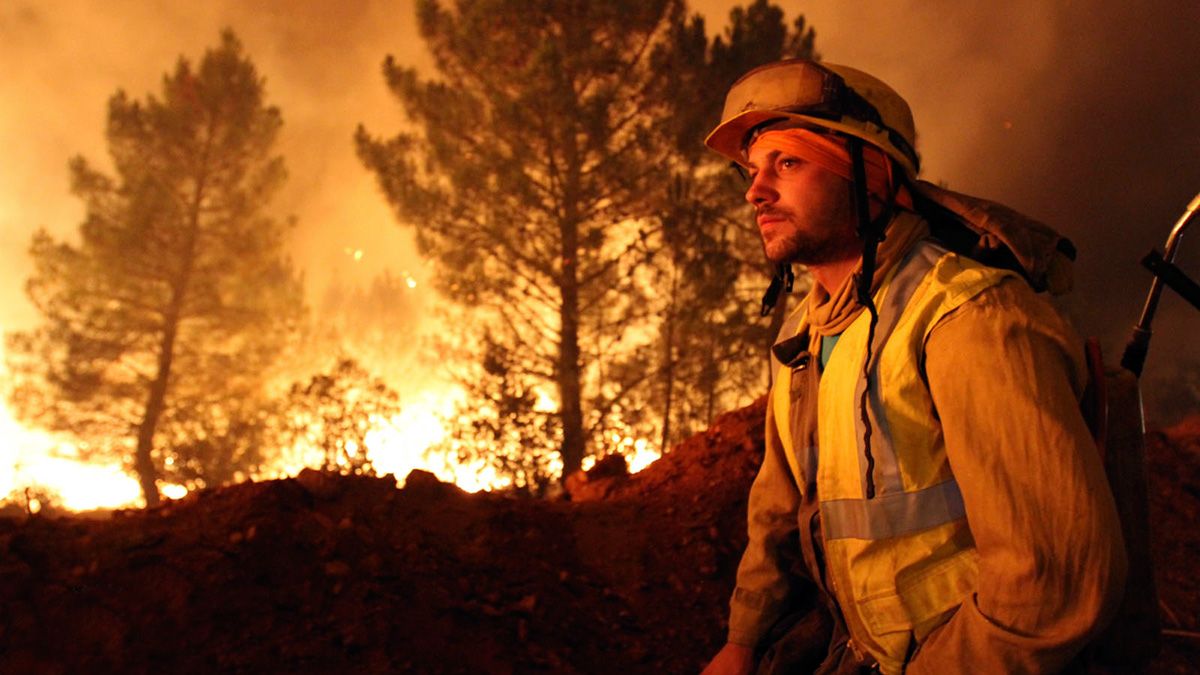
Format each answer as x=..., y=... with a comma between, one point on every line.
x=788, y=162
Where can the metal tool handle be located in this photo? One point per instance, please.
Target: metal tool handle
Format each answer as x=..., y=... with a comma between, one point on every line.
x=1134, y=358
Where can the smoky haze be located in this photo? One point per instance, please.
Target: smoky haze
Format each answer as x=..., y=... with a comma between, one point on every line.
x=1083, y=115
x=63, y=59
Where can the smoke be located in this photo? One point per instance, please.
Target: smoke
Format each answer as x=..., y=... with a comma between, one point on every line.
x=1083, y=115
x=64, y=59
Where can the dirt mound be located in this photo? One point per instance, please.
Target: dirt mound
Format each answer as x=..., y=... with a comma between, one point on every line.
x=1173, y=464
x=326, y=573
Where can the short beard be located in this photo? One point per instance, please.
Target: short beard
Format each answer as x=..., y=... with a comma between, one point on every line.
x=801, y=250
x=808, y=248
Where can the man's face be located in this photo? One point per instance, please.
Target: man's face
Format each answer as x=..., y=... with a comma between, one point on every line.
x=803, y=211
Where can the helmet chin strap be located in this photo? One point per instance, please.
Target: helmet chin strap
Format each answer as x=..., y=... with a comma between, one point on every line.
x=869, y=231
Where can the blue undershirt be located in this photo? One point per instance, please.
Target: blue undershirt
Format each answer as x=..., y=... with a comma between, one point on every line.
x=828, y=342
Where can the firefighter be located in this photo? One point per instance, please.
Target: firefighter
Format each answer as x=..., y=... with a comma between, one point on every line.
x=930, y=500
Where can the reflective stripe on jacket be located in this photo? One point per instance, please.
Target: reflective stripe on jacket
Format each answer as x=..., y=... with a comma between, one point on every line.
x=901, y=561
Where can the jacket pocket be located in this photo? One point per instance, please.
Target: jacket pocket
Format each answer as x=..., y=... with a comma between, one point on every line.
x=890, y=637
x=883, y=613
x=931, y=591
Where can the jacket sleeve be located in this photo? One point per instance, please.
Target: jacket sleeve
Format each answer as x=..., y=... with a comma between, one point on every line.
x=1005, y=372
x=763, y=585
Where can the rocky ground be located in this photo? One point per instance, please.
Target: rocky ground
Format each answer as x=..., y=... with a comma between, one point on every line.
x=331, y=574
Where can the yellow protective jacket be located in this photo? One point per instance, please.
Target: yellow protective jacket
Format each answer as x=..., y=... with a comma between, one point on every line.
x=930, y=506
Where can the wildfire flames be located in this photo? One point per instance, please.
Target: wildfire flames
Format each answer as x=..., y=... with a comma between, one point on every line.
x=43, y=462
x=39, y=460
x=401, y=443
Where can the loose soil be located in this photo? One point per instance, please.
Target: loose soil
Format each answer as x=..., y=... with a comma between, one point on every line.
x=348, y=574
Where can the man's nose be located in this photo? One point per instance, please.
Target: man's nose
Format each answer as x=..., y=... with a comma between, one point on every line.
x=760, y=191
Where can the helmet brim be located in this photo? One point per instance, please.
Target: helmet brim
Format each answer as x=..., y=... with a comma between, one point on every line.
x=730, y=137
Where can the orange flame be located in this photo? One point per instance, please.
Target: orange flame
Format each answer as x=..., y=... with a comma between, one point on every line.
x=395, y=445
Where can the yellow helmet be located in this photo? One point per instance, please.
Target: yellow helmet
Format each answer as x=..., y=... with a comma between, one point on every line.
x=835, y=97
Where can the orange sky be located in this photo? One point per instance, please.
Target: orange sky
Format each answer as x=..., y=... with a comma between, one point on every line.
x=64, y=58
x=1083, y=114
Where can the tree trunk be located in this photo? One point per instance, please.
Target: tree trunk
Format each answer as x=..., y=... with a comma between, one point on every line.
x=669, y=361
x=569, y=370
x=569, y=375
x=156, y=400
x=155, y=404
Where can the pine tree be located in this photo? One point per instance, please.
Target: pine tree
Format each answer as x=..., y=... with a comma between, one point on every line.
x=161, y=323
x=540, y=177
x=535, y=144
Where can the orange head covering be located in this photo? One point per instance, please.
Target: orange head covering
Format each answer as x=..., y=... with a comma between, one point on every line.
x=829, y=151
